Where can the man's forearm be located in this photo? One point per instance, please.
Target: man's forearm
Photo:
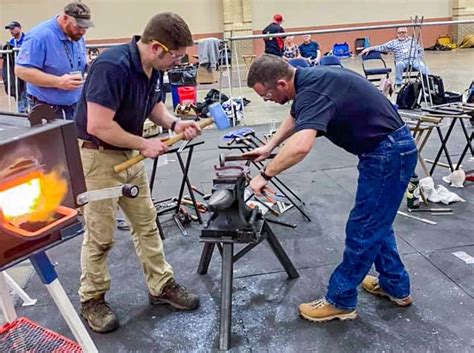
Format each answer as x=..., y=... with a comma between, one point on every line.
x=36, y=77
x=294, y=151
x=116, y=136
x=161, y=116
x=284, y=131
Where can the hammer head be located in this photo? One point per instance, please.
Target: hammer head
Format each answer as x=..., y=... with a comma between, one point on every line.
x=219, y=116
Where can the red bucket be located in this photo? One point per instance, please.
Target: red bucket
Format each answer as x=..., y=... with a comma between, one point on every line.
x=187, y=94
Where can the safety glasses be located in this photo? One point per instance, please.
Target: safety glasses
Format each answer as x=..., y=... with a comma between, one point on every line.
x=173, y=55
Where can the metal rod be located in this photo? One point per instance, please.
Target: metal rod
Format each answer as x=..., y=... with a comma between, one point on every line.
x=351, y=29
x=226, y=297
x=424, y=220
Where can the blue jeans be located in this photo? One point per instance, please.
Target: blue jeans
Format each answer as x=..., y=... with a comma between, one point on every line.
x=416, y=64
x=384, y=174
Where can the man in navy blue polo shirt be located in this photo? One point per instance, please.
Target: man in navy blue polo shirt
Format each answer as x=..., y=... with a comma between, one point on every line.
x=15, y=42
x=52, y=60
x=354, y=115
x=124, y=87
x=310, y=50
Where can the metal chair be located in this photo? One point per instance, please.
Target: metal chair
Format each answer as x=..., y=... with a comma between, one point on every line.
x=330, y=60
x=374, y=74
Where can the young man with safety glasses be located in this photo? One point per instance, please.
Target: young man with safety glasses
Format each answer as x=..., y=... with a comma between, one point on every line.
x=123, y=88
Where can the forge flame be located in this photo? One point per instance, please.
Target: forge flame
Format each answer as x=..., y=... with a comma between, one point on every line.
x=35, y=199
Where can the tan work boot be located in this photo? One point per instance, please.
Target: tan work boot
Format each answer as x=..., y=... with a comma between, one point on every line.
x=321, y=311
x=371, y=284
x=176, y=296
x=98, y=315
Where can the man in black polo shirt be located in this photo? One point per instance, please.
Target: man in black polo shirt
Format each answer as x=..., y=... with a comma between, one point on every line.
x=354, y=115
x=123, y=88
x=274, y=45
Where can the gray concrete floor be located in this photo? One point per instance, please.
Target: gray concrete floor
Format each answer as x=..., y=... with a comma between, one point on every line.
x=265, y=301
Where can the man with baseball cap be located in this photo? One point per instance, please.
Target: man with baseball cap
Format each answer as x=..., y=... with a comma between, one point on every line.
x=52, y=60
x=274, y=45
x=15, y=42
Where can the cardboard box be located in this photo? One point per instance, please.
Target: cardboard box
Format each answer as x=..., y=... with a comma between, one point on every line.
x=205, y=76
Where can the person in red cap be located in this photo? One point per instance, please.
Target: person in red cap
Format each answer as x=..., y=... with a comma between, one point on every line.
x=274, y=45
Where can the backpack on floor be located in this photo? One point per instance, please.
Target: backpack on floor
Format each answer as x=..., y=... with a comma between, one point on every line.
x=407, y=97
x=341, y=50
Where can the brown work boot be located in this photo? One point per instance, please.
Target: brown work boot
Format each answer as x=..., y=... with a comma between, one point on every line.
x=321, y=311
x=176, y=296
x=371, y=284
x=98, y=315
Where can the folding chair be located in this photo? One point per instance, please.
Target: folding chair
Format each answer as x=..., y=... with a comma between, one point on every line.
x=298, y=62
x=374, y=74
x=330, y=60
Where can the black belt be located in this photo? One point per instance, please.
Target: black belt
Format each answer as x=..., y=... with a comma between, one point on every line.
x=37, y=101
x=92, y=146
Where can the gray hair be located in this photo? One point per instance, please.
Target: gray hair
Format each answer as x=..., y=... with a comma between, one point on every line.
x=267, y=70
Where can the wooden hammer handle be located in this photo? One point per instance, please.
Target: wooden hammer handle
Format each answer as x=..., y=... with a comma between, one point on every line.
x=171, y=141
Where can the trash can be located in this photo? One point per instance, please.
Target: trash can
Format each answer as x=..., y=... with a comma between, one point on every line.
x=184, y=78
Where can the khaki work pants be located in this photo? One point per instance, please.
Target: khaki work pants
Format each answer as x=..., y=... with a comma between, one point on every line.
x=100, y=224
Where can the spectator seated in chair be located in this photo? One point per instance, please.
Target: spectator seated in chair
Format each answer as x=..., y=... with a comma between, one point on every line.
x=290, y=50
x=310, y=50
x=407, y=52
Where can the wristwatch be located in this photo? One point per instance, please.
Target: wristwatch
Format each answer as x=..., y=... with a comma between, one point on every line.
x=264, y=175
x=173, y=124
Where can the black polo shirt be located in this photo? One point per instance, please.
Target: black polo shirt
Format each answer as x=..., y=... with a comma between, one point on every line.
x=272, y=43
x=116, y=80
x=344, y=106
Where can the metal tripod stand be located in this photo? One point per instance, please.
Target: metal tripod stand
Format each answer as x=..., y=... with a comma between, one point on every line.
x=225, y=241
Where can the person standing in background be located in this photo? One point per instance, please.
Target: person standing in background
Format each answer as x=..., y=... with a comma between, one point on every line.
x=52, y=60
x=15, y=42
x=274, y=45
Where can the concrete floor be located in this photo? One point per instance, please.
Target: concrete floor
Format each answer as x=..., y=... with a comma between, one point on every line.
x=264, y=315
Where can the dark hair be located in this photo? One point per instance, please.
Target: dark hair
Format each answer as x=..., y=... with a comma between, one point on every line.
x=267, y=70
x=168, y=28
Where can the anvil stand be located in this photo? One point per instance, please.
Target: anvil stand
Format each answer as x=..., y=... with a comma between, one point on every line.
x=225, y=244
x=45, y=270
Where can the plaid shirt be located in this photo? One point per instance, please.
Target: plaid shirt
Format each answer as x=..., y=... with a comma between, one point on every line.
x=401, y=49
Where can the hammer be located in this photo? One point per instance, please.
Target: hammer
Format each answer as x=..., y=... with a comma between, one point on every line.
x=218, y=117
x=239, y=157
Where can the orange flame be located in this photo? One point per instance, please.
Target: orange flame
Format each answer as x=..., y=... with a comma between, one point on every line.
x=33, y=200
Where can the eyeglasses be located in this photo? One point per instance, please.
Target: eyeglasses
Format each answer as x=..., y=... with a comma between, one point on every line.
x=269, y=95
x=402, y=32
x=174, y=56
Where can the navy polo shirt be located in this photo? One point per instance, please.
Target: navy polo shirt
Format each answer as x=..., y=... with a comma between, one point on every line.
x=309, y=50
x=116, y=80
x=47, y=48
x=345, y=107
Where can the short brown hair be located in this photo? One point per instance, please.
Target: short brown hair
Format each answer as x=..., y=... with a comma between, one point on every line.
x=168, y=28
x=267, y=70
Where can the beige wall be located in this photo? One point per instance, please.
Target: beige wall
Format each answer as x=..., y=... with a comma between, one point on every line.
x=116, y=18
x=297, y=13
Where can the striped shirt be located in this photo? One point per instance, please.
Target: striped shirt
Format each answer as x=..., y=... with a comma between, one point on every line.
x=401, y=49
